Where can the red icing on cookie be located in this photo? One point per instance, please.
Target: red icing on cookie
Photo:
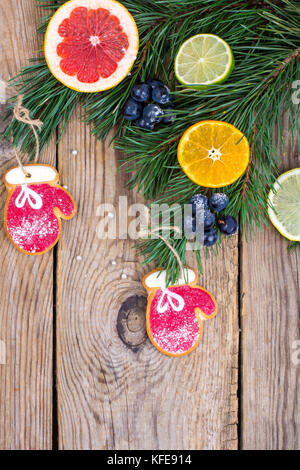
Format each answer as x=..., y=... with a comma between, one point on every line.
x=173, y=324
x=32, y=215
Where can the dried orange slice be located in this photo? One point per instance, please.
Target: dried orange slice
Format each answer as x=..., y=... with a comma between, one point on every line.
x=213, y=153
x=91, y=45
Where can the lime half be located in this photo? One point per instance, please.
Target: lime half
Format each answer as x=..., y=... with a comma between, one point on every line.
x=203, y=61
x=284, y=204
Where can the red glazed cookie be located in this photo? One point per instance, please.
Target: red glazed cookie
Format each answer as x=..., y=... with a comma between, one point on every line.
x=175, y=314
x=34, y=207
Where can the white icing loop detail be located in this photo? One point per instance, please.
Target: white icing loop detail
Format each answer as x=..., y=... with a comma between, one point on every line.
x=27, y=194
x=170, y=296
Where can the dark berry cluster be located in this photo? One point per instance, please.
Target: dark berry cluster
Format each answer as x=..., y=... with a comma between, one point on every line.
x=216, y=203
x=150, y=104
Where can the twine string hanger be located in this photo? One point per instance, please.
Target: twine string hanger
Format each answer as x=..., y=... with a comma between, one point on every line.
x=166, y=241
x=22, y=114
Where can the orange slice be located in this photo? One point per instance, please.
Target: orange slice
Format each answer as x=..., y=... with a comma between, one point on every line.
x=213, y=153
x=91, y=45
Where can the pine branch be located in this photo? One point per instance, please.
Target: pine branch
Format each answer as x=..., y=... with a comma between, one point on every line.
x=256, y=98
x=264, y=36
x=44, y=96
x=293, y=56
x=47, y=99
x=248, y=171
x=294, y=245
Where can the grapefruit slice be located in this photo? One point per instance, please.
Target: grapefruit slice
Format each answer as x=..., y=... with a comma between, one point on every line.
x=91, y=45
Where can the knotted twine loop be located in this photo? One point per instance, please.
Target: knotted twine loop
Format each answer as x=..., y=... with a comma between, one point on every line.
x=22, y=114
x=166, y=241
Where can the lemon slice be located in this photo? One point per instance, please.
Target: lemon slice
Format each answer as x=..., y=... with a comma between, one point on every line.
x=284, y=204
x=203, y=61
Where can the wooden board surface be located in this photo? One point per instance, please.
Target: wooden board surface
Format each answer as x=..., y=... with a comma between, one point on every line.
x=270, y=331
x=26, y=307
x=109, y=388
x=111, y=395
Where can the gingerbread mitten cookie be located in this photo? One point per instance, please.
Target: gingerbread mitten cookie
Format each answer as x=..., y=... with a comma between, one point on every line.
x=175, y=314
x=34, y=208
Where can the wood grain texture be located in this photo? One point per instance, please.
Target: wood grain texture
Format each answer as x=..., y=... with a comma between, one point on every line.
x=110, y=395
x=115, y=390
x=270, y=327
x=26, y=282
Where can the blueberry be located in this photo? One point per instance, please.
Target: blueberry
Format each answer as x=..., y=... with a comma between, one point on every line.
x=154, y=83
x=169, y=116
x=199, y=200
x=152, y=113
x=171, y=103
x=189, y=225
x=132, y=110
x=141, y=92
x=210, y=237
x=228, y=225
x=161, y=94
x=218, y=202
x=209, y=220
x=144, y=124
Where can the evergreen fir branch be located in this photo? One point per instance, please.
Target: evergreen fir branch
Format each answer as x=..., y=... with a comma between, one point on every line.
x=47, y=99
x=52, y=6
x=264, y=36
x=257, y=98
x=293, y=246
x=105, y=112
x=234, y=104
x=155, y=251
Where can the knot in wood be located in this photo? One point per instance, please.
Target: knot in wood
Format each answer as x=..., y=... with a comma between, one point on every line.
x=131, y=322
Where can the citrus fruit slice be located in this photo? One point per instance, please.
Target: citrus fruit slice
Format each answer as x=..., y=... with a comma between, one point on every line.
x=91, y=45
x=284, y=204
x=213, y=153
x=203, y=61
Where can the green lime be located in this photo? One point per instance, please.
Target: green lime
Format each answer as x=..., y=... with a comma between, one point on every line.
x=284, y=204
x=203, y=61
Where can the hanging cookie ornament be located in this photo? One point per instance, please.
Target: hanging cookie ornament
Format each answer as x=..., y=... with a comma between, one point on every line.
x=175, y=313
x=36, y=202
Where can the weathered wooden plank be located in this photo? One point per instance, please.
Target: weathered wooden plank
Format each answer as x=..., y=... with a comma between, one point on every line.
x=110, y=395
x=25, y=282
x=270, y=329
x=218, y=356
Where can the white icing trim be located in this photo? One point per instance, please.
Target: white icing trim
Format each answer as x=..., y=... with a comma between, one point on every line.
x=158, y=279
x=33, y=198
x=39, y=174
x=170, y=297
